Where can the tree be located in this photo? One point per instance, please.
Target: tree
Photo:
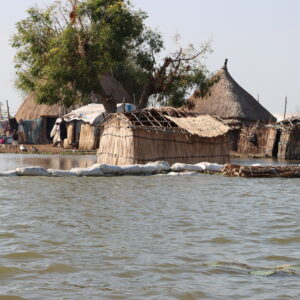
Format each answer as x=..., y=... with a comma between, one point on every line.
x=63, y=52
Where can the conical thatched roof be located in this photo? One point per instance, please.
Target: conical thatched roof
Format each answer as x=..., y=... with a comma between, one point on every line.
x=30, y=110
x=229, y=101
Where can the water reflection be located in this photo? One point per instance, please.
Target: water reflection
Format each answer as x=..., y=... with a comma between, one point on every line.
x=61, y=162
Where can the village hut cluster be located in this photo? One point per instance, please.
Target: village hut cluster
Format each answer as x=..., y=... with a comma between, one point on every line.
x=227, y=121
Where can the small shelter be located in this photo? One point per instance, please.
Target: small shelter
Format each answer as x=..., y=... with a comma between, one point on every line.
x=230, y=102
x=38, y=119
x=169, y=134
x=83, y=125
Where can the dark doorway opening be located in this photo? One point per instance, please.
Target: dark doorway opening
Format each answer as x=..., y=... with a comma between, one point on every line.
x=50, y=121
x=276, y=143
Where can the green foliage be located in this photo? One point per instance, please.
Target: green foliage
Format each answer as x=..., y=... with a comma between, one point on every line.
x=63, y=59
x=63, y=52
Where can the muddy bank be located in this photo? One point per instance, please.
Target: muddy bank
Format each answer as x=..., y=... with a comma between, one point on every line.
x=42, y=149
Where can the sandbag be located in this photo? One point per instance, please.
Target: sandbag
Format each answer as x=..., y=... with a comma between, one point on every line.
x=132, y=170
x=181, y=167
x=150, y=169
x=32, y=171
x=211, y=167
x=8, y=173
x=108, y=169
x=93, y=171
x=182, y=173
x=61, y=173
x=161, y=166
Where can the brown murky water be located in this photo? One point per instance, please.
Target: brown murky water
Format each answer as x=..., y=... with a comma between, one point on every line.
x=154, y=237
x=61, y=162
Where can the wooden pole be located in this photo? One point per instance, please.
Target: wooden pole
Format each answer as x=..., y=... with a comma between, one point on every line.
x=7, y=107
x=285, y=104
x=123, y=104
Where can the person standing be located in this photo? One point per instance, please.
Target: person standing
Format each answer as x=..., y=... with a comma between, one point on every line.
x=21, y=132
x=55, y=133
x=62, y=131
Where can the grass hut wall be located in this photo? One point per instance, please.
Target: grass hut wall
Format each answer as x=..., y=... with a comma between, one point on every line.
x=257, y=140
x=168, y=134
x=38, y=119
x=289, y=138
x=230, y=102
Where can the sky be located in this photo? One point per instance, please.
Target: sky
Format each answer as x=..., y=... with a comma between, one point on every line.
x=260, y=38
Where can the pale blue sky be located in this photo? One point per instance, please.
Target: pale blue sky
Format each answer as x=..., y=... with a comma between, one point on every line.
x=261, y=39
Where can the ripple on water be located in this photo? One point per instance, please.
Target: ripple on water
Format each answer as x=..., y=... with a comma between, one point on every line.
x=10, y=271
x=194, y=295
x=7, y=235
x=59, y=268
x=23, y=255
x=11, y=297
x=279, y=258
x=287, y=240
x=115, y=238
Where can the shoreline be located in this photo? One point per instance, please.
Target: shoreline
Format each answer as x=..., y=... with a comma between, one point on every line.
x=44, y=149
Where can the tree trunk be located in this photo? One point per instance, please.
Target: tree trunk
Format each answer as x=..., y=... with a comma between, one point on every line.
x=147, y=92
x=110, y=105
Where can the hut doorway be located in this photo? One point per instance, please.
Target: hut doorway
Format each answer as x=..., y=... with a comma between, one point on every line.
x=276, y=143
x=233, y=139
x=50, y=121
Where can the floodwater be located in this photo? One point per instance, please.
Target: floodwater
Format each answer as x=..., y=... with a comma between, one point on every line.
x=61, y=162
x=156, y=237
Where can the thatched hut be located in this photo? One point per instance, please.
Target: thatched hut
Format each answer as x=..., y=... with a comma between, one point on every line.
x=83, y=125
x=169, y=134
x=38, y=119
x=230, y=102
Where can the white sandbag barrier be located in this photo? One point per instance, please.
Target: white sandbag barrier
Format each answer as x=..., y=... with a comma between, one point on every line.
x=151, y=168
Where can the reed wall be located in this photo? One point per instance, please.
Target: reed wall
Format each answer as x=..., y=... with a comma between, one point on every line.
x=289, y=144
x=116, y=144
x=122, y=144
x=256, y=141
x=88, y=139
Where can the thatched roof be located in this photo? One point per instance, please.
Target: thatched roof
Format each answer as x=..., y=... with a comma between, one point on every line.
x=229, y=101
x=30, y=110
x=168, y=118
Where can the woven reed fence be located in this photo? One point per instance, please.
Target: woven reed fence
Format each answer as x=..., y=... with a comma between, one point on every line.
x=289, y=144
x=122, y=143
x=89, y=138
x=257, y=141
